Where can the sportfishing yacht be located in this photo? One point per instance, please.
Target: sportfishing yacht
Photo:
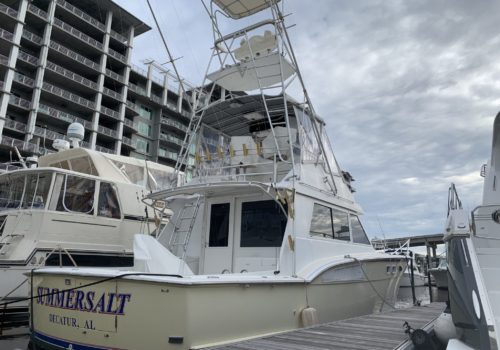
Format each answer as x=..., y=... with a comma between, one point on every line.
x=78, y=207
x=265, y=237
x=473, y=251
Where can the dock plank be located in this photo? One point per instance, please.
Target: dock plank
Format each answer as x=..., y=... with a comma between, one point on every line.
x=382, y=331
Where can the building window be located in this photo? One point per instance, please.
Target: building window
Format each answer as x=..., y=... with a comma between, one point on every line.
x=263, y=224
x=144, y=129
x=145, y=112
x=219, y=225
x=142, y=145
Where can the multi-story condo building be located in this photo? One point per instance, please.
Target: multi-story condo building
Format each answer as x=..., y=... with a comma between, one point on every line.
x=64, y=61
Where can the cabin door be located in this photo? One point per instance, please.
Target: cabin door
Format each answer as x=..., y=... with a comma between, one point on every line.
x=219, y=237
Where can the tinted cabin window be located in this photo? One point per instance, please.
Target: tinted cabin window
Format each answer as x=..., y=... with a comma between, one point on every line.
x=340, y=225
x=108, y=202
x=77, y=195
x=219, y=225
x=263, y=224
x=321, y=223
x=358, y=233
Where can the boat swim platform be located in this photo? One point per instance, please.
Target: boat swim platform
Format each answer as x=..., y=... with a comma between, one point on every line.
x=383, y=331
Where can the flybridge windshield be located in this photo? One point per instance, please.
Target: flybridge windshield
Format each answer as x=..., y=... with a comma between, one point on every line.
x=245, y=145
x=27, y=191
x=152, y=179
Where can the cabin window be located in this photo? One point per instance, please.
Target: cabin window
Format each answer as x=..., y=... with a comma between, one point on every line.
x=108, y=205
x=263, y=224
x=340, y=225
x=83, y=165
x=358, y=233
x=321, y=223
x=134, y=173
x=37, y=190
x=76, y=195
x=11, y=191
x=219, y=225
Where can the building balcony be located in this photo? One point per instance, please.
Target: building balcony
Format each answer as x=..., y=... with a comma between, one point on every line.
x=118, y=37
x=32, y=37
x=16, y=126
x=117, y=56
x=129, y=142
x=137, y=89
x=107, y=131
x=139, y=70
x=167, y=154
x=75, y=56
x=115, y=76
x=113, y=94
x=37, y=12
x=48, y=134
x=104, y=149
x=110, y=113
x=133, y=106
x=68, y=95
x=19, y=102
x=78, y=34
x=20, y=144
x=82, y=15
x=157, y=99
x=69, y=118
x=26, y=57
x=173, y=124
x=24, y=80
x=4, y=60
x=171, y=139
x=70, y=75
x=9, y=11
x=6, y=35
x=130, y=124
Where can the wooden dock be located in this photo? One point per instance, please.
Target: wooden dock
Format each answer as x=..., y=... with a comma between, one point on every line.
x=371, y=332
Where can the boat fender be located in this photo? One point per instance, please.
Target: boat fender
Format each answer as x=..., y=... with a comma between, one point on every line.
x=309, y=317
x=420, y=338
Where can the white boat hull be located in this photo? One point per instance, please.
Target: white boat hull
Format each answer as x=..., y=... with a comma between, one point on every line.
x=202, y=311
x=419, y=280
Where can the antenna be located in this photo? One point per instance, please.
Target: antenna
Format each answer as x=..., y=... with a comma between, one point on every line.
x=75, y=133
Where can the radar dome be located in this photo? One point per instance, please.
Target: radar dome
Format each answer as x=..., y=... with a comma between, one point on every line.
x=75, y=133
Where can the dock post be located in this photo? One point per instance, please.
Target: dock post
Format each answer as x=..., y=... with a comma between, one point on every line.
x=429, y=284
x=412, y=280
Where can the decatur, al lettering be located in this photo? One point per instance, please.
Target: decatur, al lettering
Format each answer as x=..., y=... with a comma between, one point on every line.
x=89, y=301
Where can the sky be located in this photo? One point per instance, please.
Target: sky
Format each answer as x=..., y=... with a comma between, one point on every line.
x=408, y=89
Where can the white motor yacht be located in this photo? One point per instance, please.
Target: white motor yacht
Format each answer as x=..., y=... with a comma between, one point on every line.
x=79, y=207
x=418, y=276
x=265, y=238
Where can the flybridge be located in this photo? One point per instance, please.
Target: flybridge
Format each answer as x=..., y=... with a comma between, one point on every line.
x=88, y=301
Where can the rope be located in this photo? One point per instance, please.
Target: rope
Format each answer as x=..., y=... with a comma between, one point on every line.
x=87, y=285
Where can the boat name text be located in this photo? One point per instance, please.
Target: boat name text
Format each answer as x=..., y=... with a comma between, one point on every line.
x=89, y=301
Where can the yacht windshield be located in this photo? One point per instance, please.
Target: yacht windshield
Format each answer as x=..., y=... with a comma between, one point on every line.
x=24, y=190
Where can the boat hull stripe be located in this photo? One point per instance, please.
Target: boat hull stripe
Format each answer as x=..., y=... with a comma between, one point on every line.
x=65, y=344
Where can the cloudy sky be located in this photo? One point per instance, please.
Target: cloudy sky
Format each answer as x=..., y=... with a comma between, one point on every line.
x=408, y=89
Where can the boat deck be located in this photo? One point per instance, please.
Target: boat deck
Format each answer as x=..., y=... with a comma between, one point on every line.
x=374, y=332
